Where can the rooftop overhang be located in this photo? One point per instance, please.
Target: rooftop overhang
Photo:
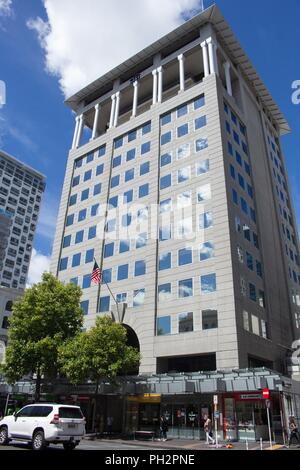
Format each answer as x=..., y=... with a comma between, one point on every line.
x=180, y=36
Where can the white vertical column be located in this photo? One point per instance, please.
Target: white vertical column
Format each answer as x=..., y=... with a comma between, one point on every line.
x=135, y=98
x=96, y=121
x=205, y=58
x=160, y=84
x=211, y=54
x=228, y=77
x=154, y=73
x=112, y=111
x=79, y=132
x=215, y=48
x=75, y=132
x=117, y=109
x=181, y=59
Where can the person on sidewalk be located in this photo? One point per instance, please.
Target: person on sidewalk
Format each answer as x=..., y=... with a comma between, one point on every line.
x=293, y=430
x=208, y=430
x=163, y=428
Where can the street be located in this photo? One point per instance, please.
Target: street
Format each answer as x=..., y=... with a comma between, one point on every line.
x=84, y=445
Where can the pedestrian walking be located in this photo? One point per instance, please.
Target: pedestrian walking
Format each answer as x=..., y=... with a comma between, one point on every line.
x=208, y=430
x=163, y=428
x=293, y=430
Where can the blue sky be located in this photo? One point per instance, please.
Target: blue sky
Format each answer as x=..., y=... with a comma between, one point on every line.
x=37, y=128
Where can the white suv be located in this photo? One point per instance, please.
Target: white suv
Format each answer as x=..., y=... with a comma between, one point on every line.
x=43, y=424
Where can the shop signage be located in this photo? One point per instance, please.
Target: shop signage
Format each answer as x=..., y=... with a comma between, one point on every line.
x=250, y=396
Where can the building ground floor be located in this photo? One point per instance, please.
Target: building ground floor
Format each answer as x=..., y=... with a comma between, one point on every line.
x=233, y=400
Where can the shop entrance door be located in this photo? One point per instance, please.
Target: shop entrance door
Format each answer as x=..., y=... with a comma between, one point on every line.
x=252, y=422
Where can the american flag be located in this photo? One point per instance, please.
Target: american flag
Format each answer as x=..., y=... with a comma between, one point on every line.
x=96, y=274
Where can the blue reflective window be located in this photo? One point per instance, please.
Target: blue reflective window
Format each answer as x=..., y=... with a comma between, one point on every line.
x=163, y=326
x=252, y=292
x=129, y=175
x=230, y=148
x=241, y=181
x=201, y=144
x=79, y=236
x=202, y=167
x=86, y=281
x=166, y=159
x=78, y=163
x=67, y=241
x=182, y=130
x=182, y=110
x=232, y=171
x=132, y=135
x=118, y=143
x=145, y=148
x=75, y=181
x=124, y=246
x=85, y=194
x=87, y=175
x=109, y=250
x=165, y=181
x=81, y=215
x=115, y=181
x=122, y=272
x=128, y=196
x=200, y=122
x=90, y=158
x=236, y=137
x=166, y=138
x=166, y=119
x=244, y=206
x=92, y=232
x=207, y=251
x=73, y=200
x=208, y=283
x=102, y=151
x=113, y=202
x=146, y=128
x=164, y=261
x=205, y=220
x=199, y=102
x=99, y=169
x=238, y=158
x=185, y=256
x=85, y=306
x=94, y=209
x=104, y=304
x=63, y=265
x=141, y=240
x=70, y=220
x=74, y=281
x=126, y=220
x=117, y=161
x=165, y=233
x=89, y=256
x=76, y=260
x=235, y=197
x=144, y=168
x=140, y=268
x=185, y=288
x=138, y=297
x=106, y=276
x=130, y=155
x=143, y=190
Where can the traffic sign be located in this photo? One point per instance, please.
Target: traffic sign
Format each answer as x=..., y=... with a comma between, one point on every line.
x=266, y=393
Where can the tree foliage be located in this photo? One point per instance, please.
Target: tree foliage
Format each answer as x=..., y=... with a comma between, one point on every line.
x=101, y=352
x=48, y=314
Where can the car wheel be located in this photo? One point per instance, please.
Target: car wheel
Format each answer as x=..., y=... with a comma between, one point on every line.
x=38, y=441
x=4, y=436
x=69, y=445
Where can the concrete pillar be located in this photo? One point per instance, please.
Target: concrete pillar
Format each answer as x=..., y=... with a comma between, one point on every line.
x=112, y=111
x=117, y=109
x=211, y=53
x=160, y=84
x=96, y=121
x=154, y=73
x=135, y=98
x=79, y=132
x=228, y=77
x=181, y=59
x=75, y=132
x=205, y=58
x=215, y=48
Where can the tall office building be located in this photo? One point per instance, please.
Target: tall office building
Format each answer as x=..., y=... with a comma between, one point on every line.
x=188, y=136
x=21, y=190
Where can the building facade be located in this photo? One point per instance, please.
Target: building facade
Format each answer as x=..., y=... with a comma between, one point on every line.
x=176, y=184
x=21, y=190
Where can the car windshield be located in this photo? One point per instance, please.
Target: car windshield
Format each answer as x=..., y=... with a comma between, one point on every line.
x=71, y=413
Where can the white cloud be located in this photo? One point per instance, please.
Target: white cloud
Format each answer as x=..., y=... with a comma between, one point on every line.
x=5, y=7
x=82, y=42
x=48, y=217
x=38, y=265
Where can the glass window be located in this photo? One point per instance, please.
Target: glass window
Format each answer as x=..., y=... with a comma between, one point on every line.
x=165, y=206
x=100, y=169
x=241, y=181
x=184, y=199
x=230, y=148
x=207, y=251
x=126, y=220
x=92, y=232
x=85, y=306
x=141, y=240
x=185, y=288
x=146, y=128
x=140, y=268
x=163, y=326
x=89, y=256
x=165, y=233
x=67, y=241
x=86, y=281
x=208, y=283
x=200, y=122
x=165, y=181
x=249, y=259
x=166, y=119
x=252, y=292
x=124, y=246
x=185, y=322
x=204, y=193
x=73, y=200
x=164, y=261
x=117, y=161
x=205, y=220
x=183, y=151
x=128, y=196
x=164, y=292
x=235, y=197
x=76, y=260
x=102, y=151
x=202, y=167
x=138, y=297
x=165, y=159
x=63, y=265
x=109, y=250
x=129, y=175
x=113, y=202
x=255, y=325
x=115, y=181
x=79, y=237
x=201, y=144
x=182, y=110
x=166, y=138
x=145, y=148
x=144, y=168
x=122, y=272
x=87, y=175
x=130, y=155
x=121, y=298
x=182, y=130
x=238, y=158
x=132, y=135
x=104, y=304
x=106, y=276
x=185, y=227
x=81, y=215
x=209, y=319
x=184, y=174
x=78, y=163
x=118, y=143
x=259, y=268
x=75, y=181
x=244, y=205
x=199, y=102
x=70, y=220
x=246, y=323
x=94, y=210
x=97, y=189
x=143, y=190
x=185, y=256
x=232, y=171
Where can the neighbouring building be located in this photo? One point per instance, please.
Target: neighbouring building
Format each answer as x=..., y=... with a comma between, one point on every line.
x=183, y=141
x=21, y=190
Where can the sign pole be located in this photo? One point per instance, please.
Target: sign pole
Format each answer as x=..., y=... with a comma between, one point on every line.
x=269, y=422
x=216, y=419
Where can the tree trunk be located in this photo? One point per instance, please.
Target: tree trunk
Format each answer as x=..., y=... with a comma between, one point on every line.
x=37, y=394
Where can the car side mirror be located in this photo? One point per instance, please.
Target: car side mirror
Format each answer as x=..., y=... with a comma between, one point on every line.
x=15, y=416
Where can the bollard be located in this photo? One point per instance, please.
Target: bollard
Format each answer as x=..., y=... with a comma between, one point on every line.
x=247, y=445
x=261, y=444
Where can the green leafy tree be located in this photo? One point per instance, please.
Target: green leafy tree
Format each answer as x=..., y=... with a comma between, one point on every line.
x=101, y=352
x=46, y=316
